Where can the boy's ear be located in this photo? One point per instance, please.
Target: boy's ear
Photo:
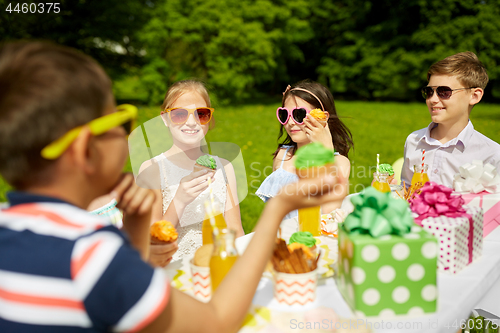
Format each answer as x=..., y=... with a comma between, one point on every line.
x=83, y=151
x=477, y=94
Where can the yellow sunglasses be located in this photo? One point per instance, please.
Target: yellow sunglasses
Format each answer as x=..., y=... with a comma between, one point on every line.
x=124, y=116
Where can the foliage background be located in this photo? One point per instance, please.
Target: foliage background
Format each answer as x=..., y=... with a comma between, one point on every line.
x=372, y=54
x=360, y=49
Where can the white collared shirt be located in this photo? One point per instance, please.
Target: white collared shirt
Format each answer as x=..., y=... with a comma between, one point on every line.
x=444, y=159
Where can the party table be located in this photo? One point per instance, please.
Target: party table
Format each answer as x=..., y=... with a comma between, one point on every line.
x=458, y=295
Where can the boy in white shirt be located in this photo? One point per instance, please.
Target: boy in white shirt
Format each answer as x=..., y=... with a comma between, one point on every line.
x=456, y=84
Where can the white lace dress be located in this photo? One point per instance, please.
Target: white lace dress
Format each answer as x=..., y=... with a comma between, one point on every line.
x=189, y=227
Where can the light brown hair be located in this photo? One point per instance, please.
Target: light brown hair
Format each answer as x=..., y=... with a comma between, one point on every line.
x=45, y=90
x=181, y=87
x=470, y=72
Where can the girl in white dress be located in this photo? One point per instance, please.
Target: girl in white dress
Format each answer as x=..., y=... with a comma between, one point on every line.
x=181, y=193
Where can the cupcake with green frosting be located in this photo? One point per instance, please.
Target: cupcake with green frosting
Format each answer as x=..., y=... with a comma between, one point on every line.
x=313, y=160
x=386, y=169
x=306, y=241
x=205, y=162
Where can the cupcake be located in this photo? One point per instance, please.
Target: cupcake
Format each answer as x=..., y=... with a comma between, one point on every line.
x=305, y=238
x=314, y=160
x=319, y=115
x=205, y=162
x=387, y=168
x=163, y=232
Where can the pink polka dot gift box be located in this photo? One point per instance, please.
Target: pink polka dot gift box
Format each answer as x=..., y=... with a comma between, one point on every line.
x=387, y=264
x=459, y=229
x=479, y=185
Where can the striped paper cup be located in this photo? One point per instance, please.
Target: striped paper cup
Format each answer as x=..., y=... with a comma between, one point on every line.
x=200, y=276
x=295, y=289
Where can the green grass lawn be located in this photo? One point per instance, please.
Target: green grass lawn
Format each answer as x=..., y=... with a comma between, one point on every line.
x=376, y=127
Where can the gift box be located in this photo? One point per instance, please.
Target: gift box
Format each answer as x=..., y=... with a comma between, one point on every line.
x=480, y=186
x=459, y=230
x=387, y=264
x=490, y=203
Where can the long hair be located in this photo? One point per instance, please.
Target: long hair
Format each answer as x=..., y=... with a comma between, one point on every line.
x=341, y=135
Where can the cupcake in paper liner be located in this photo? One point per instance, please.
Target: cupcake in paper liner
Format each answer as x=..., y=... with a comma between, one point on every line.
x=314, y=160
x=387, y=168
x=306, y=239
x=205, y=162
x=319, y=115
x=163, y=232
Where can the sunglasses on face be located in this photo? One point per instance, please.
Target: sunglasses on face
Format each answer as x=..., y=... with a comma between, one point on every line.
x=298, y=114
x=124, y=116
x=180, y=115
x=443, y=92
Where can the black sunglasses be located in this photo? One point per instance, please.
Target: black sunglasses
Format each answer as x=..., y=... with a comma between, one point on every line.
x=443, y=92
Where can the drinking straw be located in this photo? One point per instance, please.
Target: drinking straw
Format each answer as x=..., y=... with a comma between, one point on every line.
x=378, y=155
x=211, y=192
x=212, y=216
x=423, y=157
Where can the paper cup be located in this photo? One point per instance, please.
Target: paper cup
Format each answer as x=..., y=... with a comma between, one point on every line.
x=198, y=167
x=200, y=276
x=295, y=289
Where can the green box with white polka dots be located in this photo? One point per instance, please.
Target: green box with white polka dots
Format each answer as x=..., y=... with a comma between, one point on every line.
x=390, y=275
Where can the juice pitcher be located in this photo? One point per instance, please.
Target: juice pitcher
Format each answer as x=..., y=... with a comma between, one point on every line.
x=223, y=257
x=381, y=182
x=213, y=216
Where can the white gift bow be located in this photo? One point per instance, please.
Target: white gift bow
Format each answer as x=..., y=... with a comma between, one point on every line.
x=475, y=177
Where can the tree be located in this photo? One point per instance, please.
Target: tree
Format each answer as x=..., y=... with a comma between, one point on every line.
x=234, y=45
x=382, y=50
x=106, y=30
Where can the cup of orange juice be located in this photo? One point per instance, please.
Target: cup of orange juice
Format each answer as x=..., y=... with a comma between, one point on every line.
x=223, y=257
x=313, y=161
x=213, y=216
x=420, y=174
x=381, y=182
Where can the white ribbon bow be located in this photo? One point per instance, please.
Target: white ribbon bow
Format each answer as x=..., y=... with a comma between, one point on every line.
x=475, y=177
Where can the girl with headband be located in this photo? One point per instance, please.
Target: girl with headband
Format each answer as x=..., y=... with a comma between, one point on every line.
x=299, y=128
x=180, y=190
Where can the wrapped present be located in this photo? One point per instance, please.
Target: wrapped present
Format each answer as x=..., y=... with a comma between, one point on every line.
x=480, y=187
x=459, y=231
x=387, y=264
x=475, y=177
x=490, y=203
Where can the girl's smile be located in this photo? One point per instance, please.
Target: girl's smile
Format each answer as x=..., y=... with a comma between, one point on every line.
x=190, y=131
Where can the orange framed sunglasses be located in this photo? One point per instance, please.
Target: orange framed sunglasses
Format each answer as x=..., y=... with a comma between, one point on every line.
x=179, y=116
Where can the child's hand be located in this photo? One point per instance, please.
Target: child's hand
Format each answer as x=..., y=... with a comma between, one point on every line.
x=312, y=192
x=192, y=185
x=136, y=203
x=133, y=199
x=160, y=255
x=316, y=132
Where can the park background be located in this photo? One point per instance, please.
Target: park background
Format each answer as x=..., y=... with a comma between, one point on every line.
x=373, y=55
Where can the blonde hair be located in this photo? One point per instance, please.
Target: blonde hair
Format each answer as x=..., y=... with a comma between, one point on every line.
x=470, y=72
x=181, y=87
